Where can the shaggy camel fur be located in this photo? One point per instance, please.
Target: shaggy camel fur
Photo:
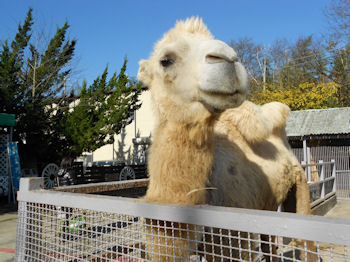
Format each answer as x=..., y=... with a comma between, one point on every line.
x=193, y=80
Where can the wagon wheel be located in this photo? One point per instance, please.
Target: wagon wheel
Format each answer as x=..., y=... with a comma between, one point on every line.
x=127, y=173
x=50, y=174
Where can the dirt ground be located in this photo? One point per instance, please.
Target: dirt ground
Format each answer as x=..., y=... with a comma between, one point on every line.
x=341, y=210
x=8, y=223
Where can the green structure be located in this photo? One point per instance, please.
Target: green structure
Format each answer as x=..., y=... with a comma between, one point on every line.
x=7, y=119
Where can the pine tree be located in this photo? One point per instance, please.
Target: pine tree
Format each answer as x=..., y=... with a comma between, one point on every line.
x=47, y=127
x=28, y=86
x=104, y=108
x=11, y=62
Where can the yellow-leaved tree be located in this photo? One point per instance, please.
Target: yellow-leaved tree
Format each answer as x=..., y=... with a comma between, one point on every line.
x=301, y=97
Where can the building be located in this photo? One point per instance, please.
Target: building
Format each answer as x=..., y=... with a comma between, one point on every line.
x=321, y=134
x=123, y=148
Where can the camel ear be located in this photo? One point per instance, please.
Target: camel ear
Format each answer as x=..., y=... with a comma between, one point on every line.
x=144, y=75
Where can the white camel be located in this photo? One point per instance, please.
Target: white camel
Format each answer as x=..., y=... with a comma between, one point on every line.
x=208, y=147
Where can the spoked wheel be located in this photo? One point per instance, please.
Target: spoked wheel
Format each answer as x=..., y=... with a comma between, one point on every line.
x=127, y=173
x=50, y=174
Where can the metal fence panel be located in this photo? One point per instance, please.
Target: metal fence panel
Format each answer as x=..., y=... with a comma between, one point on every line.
x=343, y=184
x=341, y=154
x=62, y=226
x=54, y=233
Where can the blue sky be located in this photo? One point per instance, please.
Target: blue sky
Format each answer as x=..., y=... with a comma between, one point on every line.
x=108, y=30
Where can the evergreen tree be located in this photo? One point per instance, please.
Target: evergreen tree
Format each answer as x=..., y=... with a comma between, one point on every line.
x=31, y=86
x=11, y=62
x=104, y=108
x=47, y=126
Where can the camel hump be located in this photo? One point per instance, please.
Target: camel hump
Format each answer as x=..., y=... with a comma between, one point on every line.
x=277, y=113
x=255, y=123
x=248, y=119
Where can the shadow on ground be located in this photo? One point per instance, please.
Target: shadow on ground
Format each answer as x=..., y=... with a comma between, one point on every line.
x=6, y=207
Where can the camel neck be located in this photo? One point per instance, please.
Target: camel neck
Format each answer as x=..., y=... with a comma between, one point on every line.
x=198, y=134
x=180, y=162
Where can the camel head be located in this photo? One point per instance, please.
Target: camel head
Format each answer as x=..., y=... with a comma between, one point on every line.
x=190, y=73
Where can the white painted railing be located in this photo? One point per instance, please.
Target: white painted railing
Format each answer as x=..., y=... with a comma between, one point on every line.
x=325, y=181
x=321, y=178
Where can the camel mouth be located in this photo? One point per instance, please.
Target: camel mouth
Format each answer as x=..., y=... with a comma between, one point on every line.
x=223, y=93
x=218, y=101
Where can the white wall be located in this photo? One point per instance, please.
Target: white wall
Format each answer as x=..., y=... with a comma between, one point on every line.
x=145, y=121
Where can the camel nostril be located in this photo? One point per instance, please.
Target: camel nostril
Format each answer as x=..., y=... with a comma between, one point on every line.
x=219, y=58
x=213, y=59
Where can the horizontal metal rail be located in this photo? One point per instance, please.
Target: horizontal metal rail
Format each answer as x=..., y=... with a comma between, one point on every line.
x=322, y=181
x=321, y=200
x=318, y=164
x=343, y=171
x=104, y=186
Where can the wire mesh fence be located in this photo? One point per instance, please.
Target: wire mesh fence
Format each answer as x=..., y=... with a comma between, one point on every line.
x=341, y=154
x=62, y=226
x=343, y=184
x=54, y=233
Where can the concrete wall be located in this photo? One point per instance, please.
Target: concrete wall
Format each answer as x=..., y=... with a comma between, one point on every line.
x=141, y=126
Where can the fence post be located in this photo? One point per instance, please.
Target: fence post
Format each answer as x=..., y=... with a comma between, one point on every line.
x=322, y=179
x=303, y=164
x=29, y=216
x=334, y=189
x=308, y=161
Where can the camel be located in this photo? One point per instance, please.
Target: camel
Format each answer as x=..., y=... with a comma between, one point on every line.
x=210, y=146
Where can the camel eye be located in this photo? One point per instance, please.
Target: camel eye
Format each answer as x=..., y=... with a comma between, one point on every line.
x=166, y=62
